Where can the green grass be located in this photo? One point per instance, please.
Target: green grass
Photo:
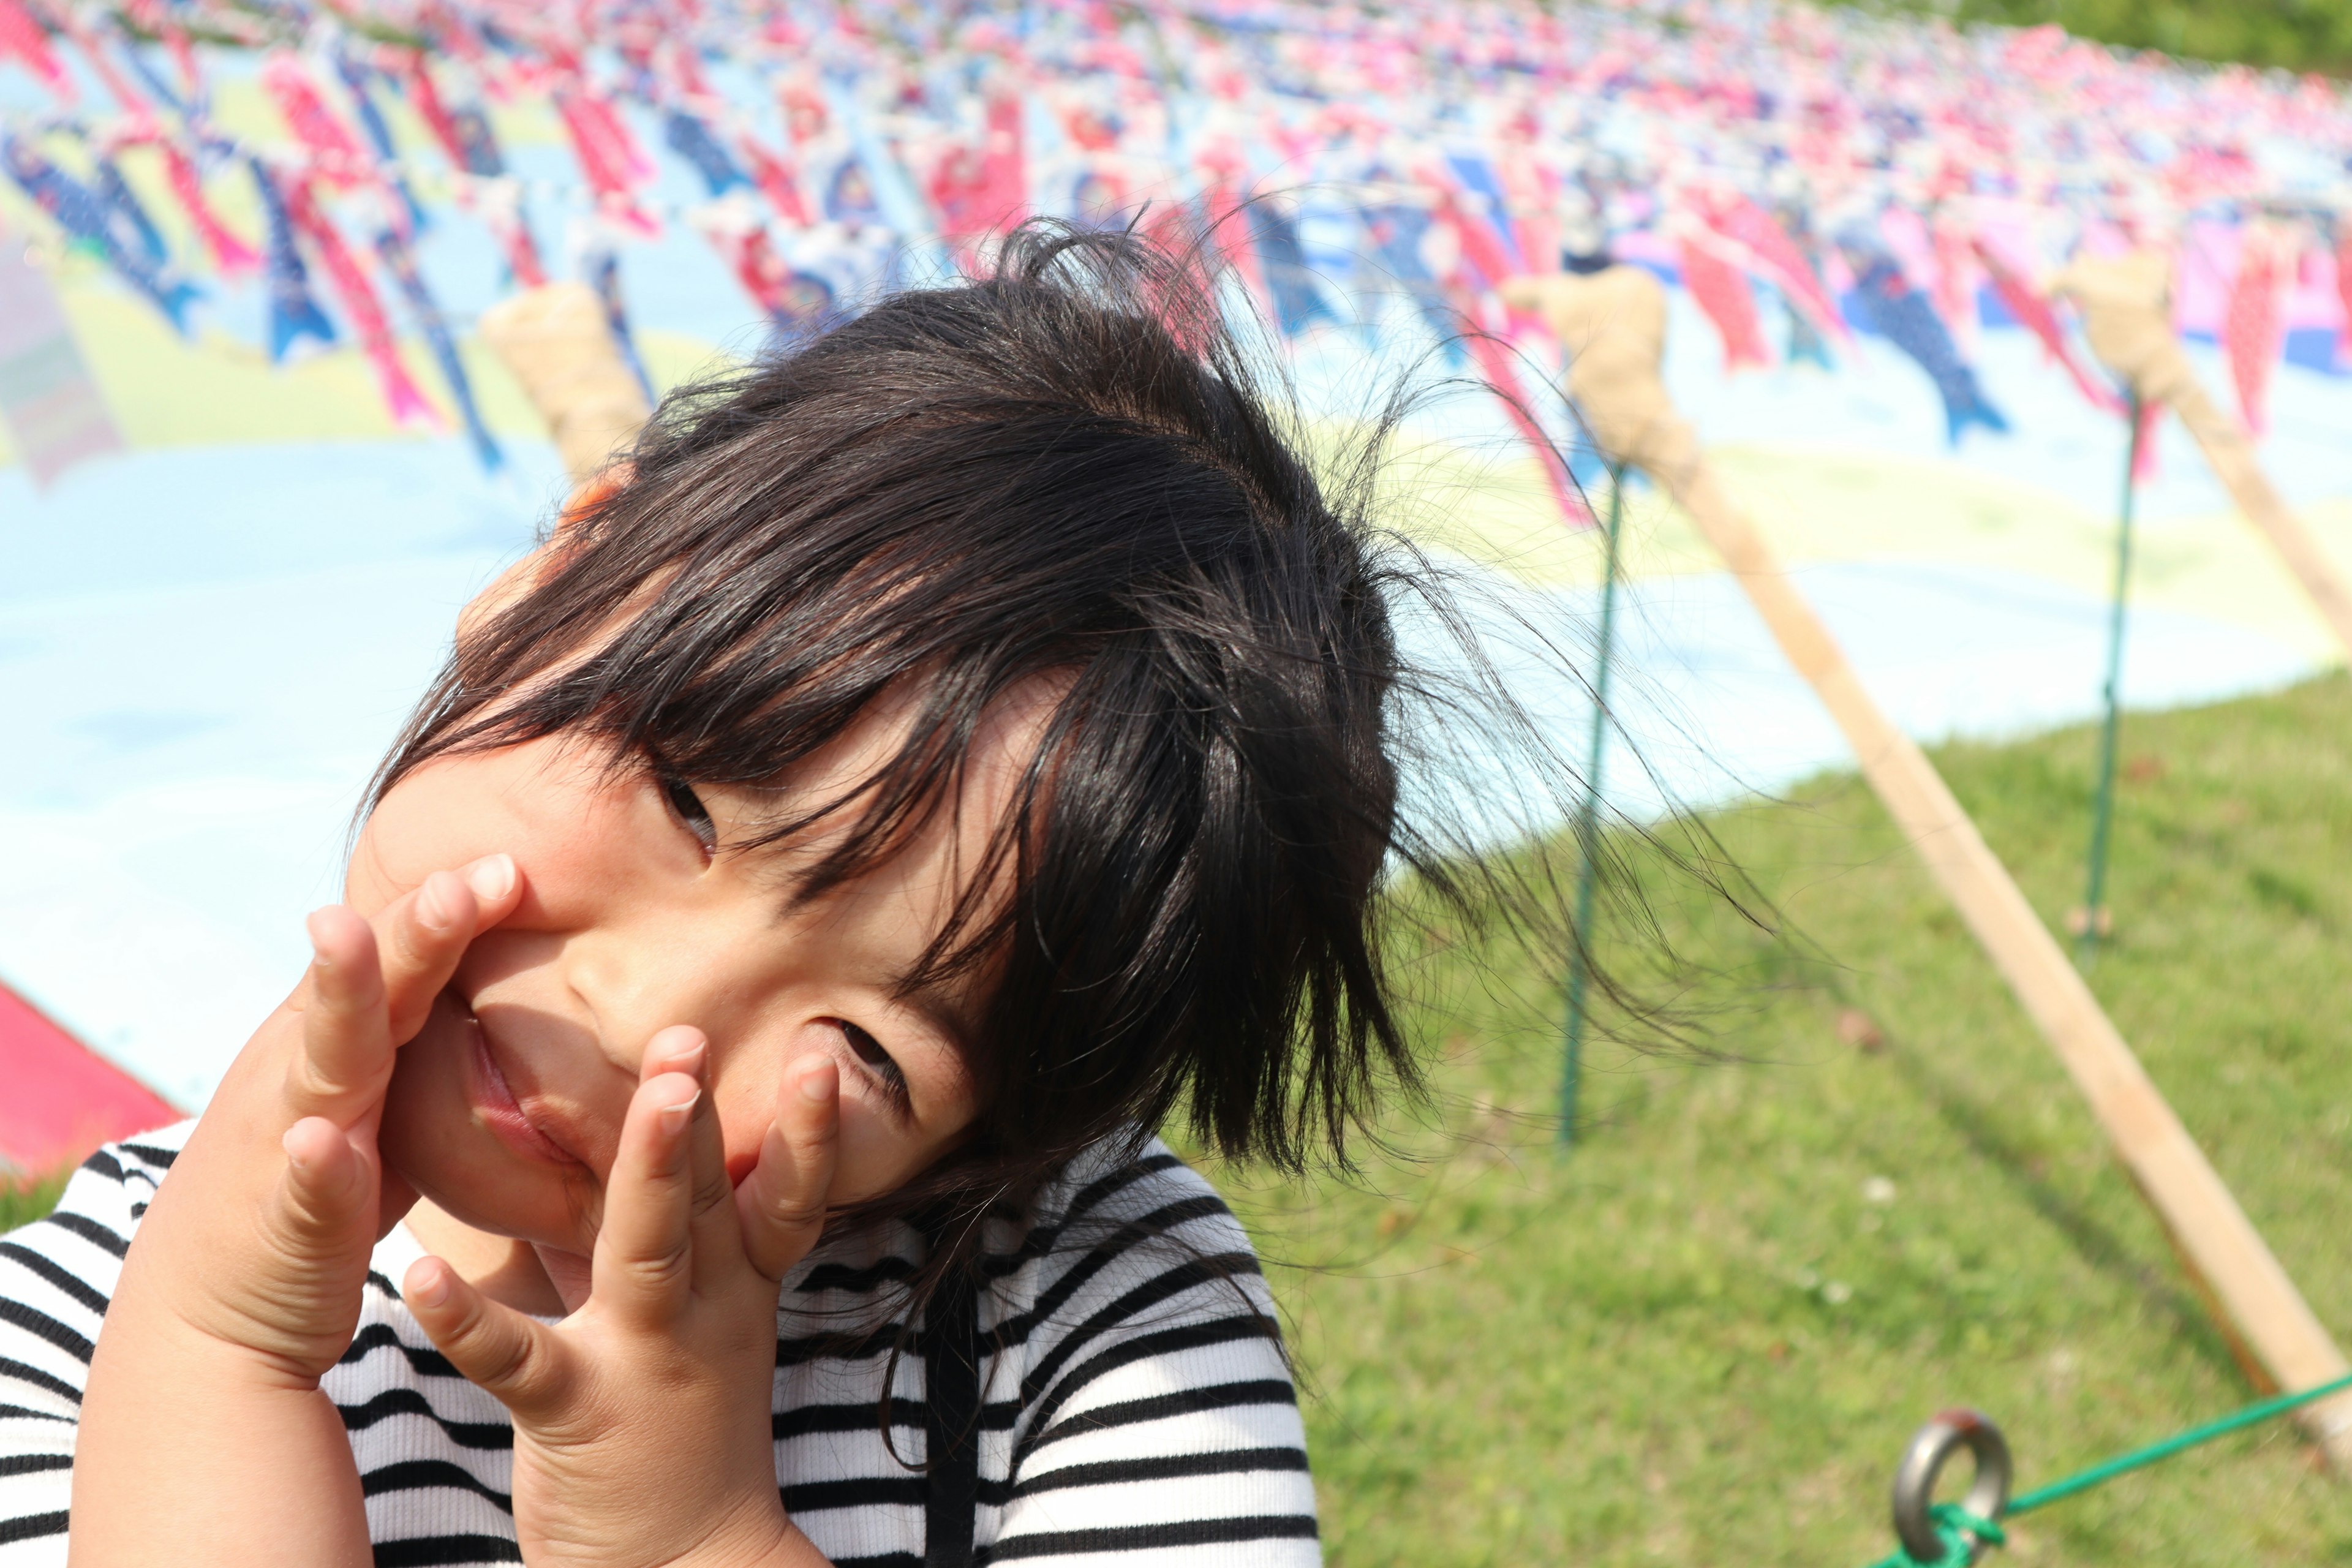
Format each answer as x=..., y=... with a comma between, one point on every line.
x=2292, y=35
x=1704, y=1336
x=21, y=1202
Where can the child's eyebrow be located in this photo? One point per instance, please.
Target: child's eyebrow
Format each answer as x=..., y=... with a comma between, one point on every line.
x=940, y=1005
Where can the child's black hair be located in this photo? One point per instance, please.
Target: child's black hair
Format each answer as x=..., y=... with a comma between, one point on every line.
x=1066, y=468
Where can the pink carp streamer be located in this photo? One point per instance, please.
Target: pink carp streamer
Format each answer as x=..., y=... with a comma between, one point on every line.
x=1721, y=291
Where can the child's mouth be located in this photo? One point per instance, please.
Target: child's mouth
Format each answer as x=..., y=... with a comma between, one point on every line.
x=495, y=1106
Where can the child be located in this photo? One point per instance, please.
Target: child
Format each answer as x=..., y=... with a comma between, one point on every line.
x=936, y=756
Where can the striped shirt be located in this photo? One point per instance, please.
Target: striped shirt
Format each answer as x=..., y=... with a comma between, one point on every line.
x=1136, y=1407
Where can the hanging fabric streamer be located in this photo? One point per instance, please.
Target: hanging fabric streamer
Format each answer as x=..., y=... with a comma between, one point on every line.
x=399, y=260
x=1298, y=300
x=1909, y=322
x=86, y=216
x=689, y=136
x=116, y=192
x=360, y=303
x=2031, y=310
x=49, y=401
x=2344, y=290
x=775, y=179
x=334, y=154
x=22, y=40
x=603, y=159
x=293, y=314
x=1781, y=262
x=379, y=134
x=2254, y=325
x=230, y=254
x=603, y=270
x=1721, y=291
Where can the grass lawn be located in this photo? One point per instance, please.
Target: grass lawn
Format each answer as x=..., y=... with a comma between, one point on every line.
x=1704, y=1337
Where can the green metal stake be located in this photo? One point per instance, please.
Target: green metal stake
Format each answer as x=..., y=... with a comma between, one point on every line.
x=1588, y=816
x=2103, y=809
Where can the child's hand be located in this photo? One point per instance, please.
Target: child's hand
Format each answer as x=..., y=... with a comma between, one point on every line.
x=259, y=1243
x=643, y=1433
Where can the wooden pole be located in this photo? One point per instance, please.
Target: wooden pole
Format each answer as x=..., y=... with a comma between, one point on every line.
x=2232, y=457
x=2273, y=1331
x=1613, y=325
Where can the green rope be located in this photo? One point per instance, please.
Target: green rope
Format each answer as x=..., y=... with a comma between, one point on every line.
x=1960, y=1531
x=2102, y=812
x=1954, y=1523
x=1588, y=821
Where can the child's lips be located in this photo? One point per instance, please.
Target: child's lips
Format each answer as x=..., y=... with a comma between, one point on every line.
x=494, y=1106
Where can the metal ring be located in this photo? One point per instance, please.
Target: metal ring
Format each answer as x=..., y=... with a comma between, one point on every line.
x=1923, y=1462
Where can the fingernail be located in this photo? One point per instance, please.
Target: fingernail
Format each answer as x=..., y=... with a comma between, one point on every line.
x=292, y=1156
x=433, y=905
x=674, y=1116
x=434, y=1290
x=816, y=1087
x=691, y=1059
x=493, y=879
x=318, y=948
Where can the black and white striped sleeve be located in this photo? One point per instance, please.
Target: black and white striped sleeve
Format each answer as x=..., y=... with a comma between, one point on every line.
x=1160, y=1426
x=56, y=1278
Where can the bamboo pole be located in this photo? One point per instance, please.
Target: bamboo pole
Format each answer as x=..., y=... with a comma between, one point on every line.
x=1613, y=325
x=1588, y=819
x=2127, y=308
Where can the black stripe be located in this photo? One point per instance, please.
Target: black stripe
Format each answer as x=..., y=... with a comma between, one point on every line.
x=408, y=1401
x=30, y=1464
x=865, y=1491
x=90, y=1230
x=858, y=1279
x=437, y=1551
x=1159, y=1407
x=39, y=1379
x=382, y=1284
x=139, y=1210
x=807, y=1419
x=425, y=1362
x=1119, y=1312
x=32, y=1527
x=1040, y=1240
x=14, y=1412
x=880, y=1560
x=1118, y=1246
x=1145, y=1537
x=105, y=1165
x=1161, y=1467
x=420, y=1475
x=43, y=1326
x=151, y=1154
x=1143, y=1347
x=56, y=1275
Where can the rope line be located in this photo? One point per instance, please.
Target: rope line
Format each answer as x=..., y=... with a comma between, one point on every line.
x=1959, y=1529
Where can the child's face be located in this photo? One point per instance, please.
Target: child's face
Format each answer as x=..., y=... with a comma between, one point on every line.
x=507, y=1110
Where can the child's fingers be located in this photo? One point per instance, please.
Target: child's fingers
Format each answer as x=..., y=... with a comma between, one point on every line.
x=782, y=1201
x=346, y=1049
x=644, y=1246
x=522, y=1363
x=324, y=1189
x=423, y=935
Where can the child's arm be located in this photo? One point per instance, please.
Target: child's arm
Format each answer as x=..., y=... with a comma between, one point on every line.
x=644, y=1435
x=204, y=1438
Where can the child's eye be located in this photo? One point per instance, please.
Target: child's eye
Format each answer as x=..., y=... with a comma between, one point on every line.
x=690, y=811
x=878, y=1061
